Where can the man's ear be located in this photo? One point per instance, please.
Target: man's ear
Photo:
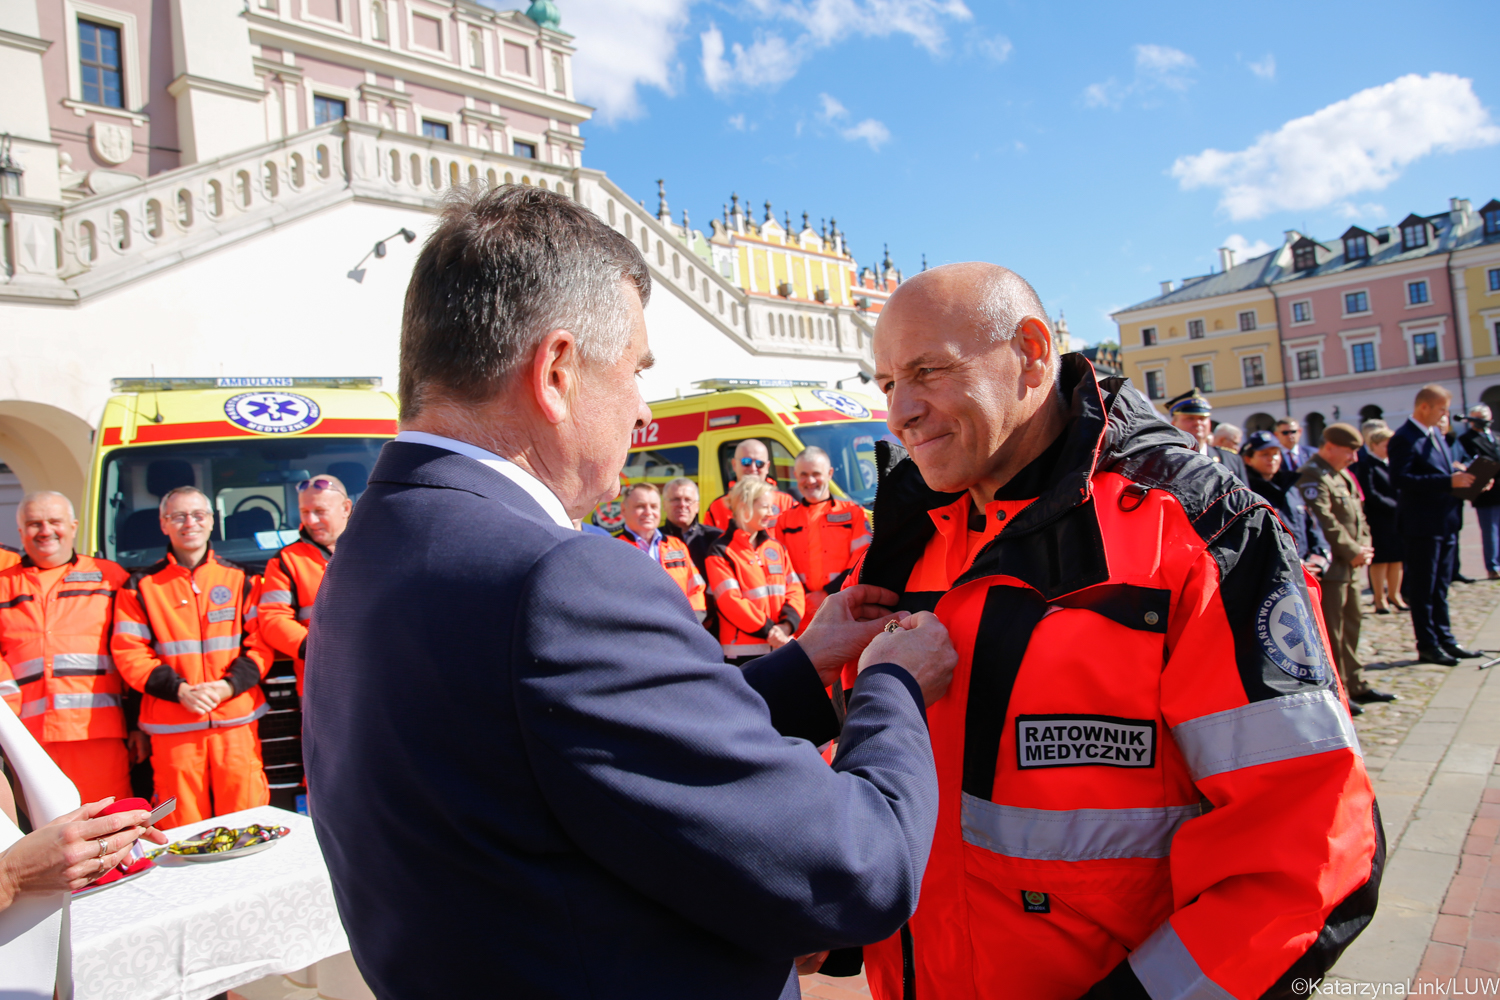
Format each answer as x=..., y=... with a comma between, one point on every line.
x=553, y=375
x=1035, y=342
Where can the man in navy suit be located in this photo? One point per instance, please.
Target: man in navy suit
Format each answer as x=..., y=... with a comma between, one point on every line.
x=533, y=774
x=1294, y=454
x=1425, y=475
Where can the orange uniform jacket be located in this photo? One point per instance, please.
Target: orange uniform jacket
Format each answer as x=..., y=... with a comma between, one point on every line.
x=823, y=541
x=673, y=555
x=175, y=626
x=56, y=670
x=287, y=593
x=8, y=557
x=1149, y=776
x=719, y=515
x=753, y=585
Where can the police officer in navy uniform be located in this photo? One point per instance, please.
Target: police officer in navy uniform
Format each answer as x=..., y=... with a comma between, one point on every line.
x=1332, y=494
x=1191, y=413
x=1262, y=457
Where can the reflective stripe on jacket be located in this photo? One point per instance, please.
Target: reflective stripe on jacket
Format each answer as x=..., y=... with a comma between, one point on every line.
x=55, y=667
x=1147, y=764
x=753, y=585
x=173, y=625
x=720, y=516
x=673, y=555
x=287, y=594
x=823, y=540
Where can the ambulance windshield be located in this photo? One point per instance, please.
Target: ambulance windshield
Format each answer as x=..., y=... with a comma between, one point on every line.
x=251, y=485
x=851, y=448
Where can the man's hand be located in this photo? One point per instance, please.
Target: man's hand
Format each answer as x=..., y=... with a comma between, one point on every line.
x=1316, y=562
x=1366, y=555
x=843, y=627
x=200, y=699
x=139, y=745
x=809, y=964
x=923, y=647
x=778, y=637
x=1463, y=480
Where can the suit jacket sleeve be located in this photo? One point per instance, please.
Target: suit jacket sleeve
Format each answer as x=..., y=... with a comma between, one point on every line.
x=1412, y=470
x=662, y=765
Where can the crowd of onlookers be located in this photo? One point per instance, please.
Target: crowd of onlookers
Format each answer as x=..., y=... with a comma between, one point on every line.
x=1388, y=501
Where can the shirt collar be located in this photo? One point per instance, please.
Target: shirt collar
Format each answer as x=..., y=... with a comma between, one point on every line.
x=533, y=486
x=655, y=536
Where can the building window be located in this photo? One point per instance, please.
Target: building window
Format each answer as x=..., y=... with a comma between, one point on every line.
x=1356, y=248
x=1416, y=293
x=379, y=27
x=1362, y=357
x=476, y=50
x=1307, y=365
x=427, y=32
x=1195, y=329
x=1148, y=333
x=1356, y=302
x=1302, y=312
x=1156, y=381
x=1247, y=320
x=1304, y=258
x=328, y=109
x=559, y=82
x=1497, y=337
x=1492, y=222
x=525, y=150
x=1203, y=377
x=434, y=130
x=1424, y=348
x=99, y=64
x=1414, y=235
x=517, y=59
x=1495, y=279
x=1254, y=369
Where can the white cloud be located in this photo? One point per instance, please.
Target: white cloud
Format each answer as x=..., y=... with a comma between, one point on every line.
x=1245, y=250
x=737, y=122
x=1265, y=68
x=771, y=60
x=1156, y=66
x=996, y=47
x=622, y=46
x=1361, y=143
x=833, y=112
x=871, y=131
x=1369, y=210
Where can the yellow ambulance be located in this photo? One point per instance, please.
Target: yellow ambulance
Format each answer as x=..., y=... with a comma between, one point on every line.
x=694, y=436
x=245, y=442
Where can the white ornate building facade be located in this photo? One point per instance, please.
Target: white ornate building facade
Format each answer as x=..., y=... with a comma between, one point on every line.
x=187, y=188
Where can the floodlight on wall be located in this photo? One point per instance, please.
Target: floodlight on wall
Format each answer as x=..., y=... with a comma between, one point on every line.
x=864, y=378
x=378, y=250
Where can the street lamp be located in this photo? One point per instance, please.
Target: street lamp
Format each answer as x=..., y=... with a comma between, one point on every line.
x=358, y=272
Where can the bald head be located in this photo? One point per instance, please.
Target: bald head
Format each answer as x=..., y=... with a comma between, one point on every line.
x=964, y=355
x=752, y=450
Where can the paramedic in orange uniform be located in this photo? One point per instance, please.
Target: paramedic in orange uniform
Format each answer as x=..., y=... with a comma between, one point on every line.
x=759, y=599
x=56, y=611
x=641, y=507
x=751, y=461
x=183, y=636
x=1150, y=782
x=823, y=535
x=290, y=584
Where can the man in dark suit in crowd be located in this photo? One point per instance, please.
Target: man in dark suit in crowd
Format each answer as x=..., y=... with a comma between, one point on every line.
x=1478, y=441
x=1294, y=454
x=534, y=774
x=1425, y=476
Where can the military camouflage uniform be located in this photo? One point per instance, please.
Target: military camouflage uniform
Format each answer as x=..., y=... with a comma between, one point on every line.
x=1333, y=498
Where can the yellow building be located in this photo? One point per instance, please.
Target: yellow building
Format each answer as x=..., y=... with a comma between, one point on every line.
x=1476, y=284
x=1218, y=333
x=771, y=258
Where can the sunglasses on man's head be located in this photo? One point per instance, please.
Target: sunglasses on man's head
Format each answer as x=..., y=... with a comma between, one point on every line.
x=318, y=484
x=758, y=463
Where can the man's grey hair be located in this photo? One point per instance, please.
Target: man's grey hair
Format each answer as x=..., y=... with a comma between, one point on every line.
x=501, y=270
x=1005, y=300
x=1228, y=432
x=812, y=451
x=36, y=496
x=1369, y=425
x=679, y=481
x=1481, y=411
x=178, y=491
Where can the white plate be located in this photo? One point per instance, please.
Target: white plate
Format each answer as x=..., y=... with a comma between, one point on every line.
x=238, y=852
x=90, y=890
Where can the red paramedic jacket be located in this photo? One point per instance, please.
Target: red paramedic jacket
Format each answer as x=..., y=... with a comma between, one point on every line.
x=1150, y=782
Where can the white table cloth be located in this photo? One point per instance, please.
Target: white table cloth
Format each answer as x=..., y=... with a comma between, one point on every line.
x=188, y=931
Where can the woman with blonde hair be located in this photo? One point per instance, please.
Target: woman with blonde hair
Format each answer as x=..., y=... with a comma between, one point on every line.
x=1374, y=474
x=759, y=598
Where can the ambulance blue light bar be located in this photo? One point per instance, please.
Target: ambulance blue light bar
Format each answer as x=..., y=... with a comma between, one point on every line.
x=757, y=383
x=246, y=382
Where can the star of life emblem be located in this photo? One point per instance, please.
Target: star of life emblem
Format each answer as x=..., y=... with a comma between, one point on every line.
x=272, y=412
x=1288, y=633
x=847, y=405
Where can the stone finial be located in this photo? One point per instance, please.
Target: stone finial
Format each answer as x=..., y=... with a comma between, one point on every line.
x=805, y=224
x=663, y=213
x=924, y=262
x=769, y=217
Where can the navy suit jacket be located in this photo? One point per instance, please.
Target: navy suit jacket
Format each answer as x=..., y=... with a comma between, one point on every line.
x=1422, y=472
x=532, y=775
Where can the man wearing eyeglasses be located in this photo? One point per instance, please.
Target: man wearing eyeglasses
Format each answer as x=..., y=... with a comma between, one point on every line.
x=750, y=459
x=184, y=637
x=1293, y=452
x=293, y=575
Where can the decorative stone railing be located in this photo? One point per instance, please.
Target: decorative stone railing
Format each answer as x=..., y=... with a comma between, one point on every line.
x=57, y=252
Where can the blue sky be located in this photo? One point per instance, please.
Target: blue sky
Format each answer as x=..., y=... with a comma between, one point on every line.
x=1069, y=142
